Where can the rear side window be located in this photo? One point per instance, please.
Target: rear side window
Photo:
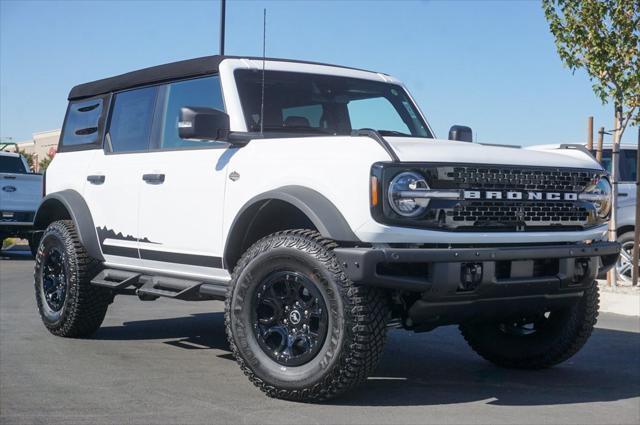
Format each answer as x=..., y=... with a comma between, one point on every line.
x=131, y=120
x=303, y=116
x=11, y=164
x=628, y=164
x=202, y=92
x=83, y=123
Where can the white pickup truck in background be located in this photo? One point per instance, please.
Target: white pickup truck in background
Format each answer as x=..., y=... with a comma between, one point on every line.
x=20, y=195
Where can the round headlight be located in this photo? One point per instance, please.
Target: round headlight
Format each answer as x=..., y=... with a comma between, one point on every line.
x=399, y=194
x=603, y=206
x=599, y=193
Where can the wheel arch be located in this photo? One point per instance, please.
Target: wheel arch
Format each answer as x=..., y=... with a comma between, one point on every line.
x=624, y=229
x=69, y=205
x=285, y=208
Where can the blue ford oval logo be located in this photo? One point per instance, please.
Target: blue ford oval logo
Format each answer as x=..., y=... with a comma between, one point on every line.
x=9, y=188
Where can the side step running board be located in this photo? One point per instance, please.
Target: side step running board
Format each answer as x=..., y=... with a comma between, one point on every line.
x=169, y=287
x=116, y=279
x=152, y=287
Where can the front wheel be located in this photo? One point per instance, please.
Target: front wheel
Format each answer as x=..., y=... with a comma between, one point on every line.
x=299, y=329
x=536, y=341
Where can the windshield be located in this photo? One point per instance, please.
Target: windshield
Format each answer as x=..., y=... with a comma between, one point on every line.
x=324, y=104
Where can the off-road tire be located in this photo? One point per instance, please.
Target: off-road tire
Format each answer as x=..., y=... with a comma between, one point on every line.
x=34, y=243
x=356, y=333
x=626, y=238
x=563, y=338
x=85, y=305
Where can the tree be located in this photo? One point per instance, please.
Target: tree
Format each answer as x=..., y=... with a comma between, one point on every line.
x=602, y=37
x=29, y=157
x=45, y=163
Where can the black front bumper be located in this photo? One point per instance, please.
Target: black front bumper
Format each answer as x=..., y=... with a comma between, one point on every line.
x=457, y=283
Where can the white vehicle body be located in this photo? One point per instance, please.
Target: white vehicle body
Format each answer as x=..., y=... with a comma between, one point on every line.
x=317, y=202
x=198, y=190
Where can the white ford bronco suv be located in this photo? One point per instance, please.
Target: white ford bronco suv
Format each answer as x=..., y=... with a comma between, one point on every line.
x=317, y=203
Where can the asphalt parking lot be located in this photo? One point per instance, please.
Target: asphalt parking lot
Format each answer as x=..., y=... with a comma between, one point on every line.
x=168, y=362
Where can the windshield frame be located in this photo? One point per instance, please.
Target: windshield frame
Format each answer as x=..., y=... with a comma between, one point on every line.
x=410, y=109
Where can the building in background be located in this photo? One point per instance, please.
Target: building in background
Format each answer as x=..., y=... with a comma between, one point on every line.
x=43, y=144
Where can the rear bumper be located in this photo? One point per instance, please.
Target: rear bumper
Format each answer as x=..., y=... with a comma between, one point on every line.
x=458, y=284
x=16, y=223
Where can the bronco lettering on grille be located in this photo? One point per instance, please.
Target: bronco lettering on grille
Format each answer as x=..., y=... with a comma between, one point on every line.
x=517, y=195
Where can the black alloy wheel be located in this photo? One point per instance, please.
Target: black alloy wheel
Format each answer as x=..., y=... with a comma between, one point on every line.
x=291, y=318
x=54, y=277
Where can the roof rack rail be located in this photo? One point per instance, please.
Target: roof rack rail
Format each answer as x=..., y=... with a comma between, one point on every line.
x=5, y=145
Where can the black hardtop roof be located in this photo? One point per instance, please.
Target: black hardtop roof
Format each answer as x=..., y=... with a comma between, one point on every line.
x=163, y=73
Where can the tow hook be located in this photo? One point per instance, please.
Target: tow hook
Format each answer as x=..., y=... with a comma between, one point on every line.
x=470, y=276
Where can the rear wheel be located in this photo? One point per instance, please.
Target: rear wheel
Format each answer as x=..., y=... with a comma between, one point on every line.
x=536, y=341
x=625, y=261
x=68, y=304
x=299, y=329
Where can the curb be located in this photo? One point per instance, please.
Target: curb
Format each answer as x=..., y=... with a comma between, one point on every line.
x=626, y=303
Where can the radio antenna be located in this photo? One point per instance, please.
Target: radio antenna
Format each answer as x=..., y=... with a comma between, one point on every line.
x=264, y=52
x=223, y=7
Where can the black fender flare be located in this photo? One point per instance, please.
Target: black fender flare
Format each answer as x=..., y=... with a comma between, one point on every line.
x=324, y=215
x=78, y=212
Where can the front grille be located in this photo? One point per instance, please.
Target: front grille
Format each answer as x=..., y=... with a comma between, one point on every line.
x=500, y=178
x=496, y=198
x=534, y=213
x=510, y=214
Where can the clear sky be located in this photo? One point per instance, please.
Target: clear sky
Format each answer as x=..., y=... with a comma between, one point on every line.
x=491, y=65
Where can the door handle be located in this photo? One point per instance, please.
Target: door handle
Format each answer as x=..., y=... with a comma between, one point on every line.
x=623, y=194
x=153, y=178
x=95, y=179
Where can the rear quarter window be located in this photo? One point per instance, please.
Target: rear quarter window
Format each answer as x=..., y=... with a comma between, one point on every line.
x=83, y=125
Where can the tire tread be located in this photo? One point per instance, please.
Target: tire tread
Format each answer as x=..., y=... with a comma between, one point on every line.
x=367, y=313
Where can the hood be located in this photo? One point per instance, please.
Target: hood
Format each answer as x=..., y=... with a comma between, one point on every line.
x=410, y=149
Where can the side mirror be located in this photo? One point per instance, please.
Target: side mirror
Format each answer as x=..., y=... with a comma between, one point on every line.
x=461, y=133
x=203, y=123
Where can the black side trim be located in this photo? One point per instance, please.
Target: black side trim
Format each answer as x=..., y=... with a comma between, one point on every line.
x=120, y=251
x=79, y=212
x=180, y=258
x=318, y=209
x=323, y=214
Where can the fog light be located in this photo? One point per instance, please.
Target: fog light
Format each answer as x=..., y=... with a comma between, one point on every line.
x=580, y=269
x=470, y=276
